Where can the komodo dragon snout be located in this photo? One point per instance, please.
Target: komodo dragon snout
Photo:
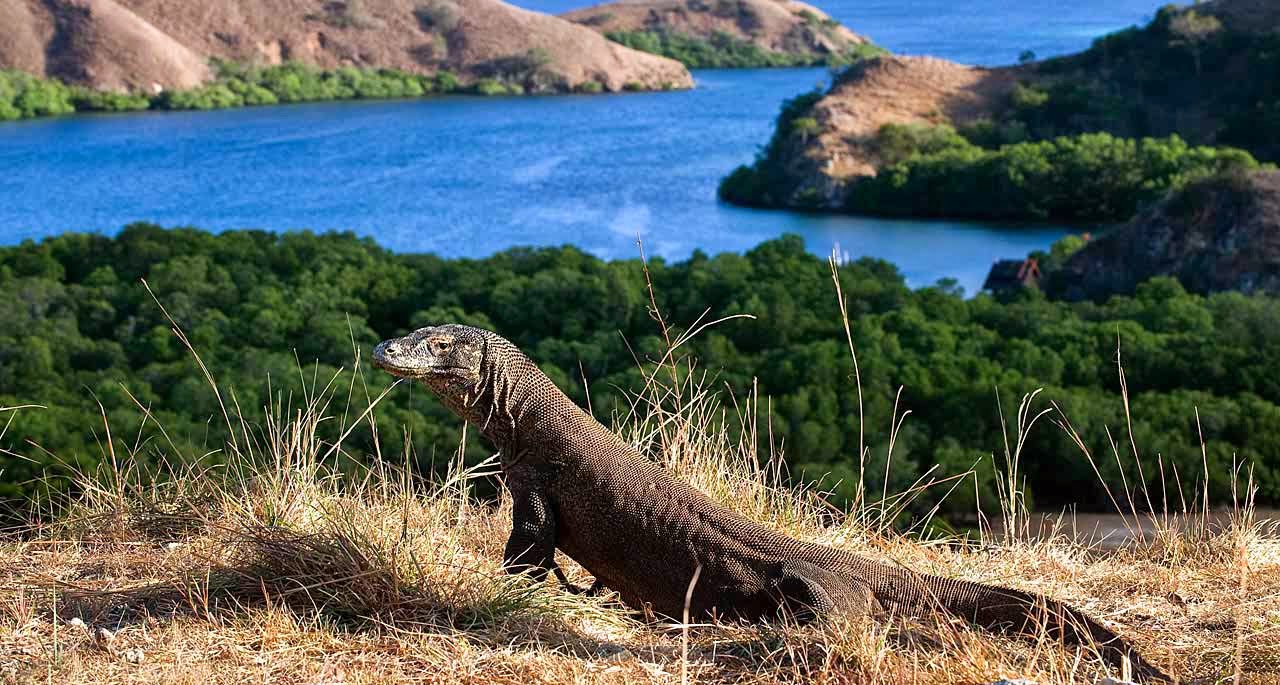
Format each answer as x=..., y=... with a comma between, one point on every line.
x=644, y=533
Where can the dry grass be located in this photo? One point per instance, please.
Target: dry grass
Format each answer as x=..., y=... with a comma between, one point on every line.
x=278, y=568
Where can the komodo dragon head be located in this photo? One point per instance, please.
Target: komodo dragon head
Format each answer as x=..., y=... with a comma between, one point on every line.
x=447, y=358
x=477, y=374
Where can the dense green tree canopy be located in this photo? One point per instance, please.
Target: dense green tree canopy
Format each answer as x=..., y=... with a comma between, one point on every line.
x=77, y=328
x=1087, y=177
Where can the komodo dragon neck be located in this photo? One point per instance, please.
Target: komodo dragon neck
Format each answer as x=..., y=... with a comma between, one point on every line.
x=517, y=408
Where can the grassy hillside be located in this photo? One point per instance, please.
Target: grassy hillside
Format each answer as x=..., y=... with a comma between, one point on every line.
x=286, y=566
x=80, y=334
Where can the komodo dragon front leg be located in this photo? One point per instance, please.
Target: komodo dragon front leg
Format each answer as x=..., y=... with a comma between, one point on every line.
x=531, y=548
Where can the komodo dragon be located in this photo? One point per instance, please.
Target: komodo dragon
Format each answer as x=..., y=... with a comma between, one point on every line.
x=642, y=532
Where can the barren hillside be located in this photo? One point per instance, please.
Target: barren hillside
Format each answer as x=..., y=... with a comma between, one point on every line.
x=150, y=44
x=898, y=90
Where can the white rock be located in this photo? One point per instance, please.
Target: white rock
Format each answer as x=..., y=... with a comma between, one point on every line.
x=134, y=656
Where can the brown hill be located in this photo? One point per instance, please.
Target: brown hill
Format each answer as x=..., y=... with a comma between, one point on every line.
x=133, y=44
x=1221, y=234
x=782, y=26
x=897, y=90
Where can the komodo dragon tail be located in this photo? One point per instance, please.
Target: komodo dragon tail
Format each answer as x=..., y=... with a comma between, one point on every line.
x=1003, y=609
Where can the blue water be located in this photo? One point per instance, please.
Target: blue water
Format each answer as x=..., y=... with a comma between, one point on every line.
x=471, y=176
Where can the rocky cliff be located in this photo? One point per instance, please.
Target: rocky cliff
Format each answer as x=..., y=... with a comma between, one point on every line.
x=145, y=45
x=1221, y=234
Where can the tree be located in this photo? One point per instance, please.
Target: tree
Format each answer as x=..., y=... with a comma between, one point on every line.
x=1192, y=30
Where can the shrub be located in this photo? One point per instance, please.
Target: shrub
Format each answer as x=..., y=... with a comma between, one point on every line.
x=1090, y=177
x=723, y=50
x=88, y=100
x=215, y=96
x=489, y=86
x=349, y=14
x=437, y=15
x=23, y=96
x=805, y=128
x=446, y=82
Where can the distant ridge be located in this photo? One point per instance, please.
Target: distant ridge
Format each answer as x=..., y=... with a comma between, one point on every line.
x=149, y=45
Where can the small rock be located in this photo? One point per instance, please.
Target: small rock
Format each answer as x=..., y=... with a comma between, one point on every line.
x=134, y=655
x=77, y=623
x=172, y=546
x=104, y=637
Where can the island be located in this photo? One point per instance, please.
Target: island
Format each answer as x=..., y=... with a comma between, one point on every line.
x=729, y=33
x=1088, y=137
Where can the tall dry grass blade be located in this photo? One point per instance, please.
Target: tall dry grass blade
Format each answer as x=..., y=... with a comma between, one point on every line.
x=857, y=374
x=208, y=376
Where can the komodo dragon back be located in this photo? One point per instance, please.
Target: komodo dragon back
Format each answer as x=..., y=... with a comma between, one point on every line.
x=642, y=532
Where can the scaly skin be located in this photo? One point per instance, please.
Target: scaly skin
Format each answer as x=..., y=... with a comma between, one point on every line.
x=577, y=487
